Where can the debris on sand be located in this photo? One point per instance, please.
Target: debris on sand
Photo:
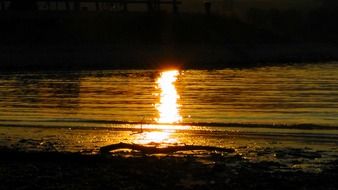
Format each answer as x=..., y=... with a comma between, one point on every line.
x=153, y=148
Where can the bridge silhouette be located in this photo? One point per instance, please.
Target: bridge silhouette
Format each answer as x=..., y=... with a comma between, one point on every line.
x=75, y=5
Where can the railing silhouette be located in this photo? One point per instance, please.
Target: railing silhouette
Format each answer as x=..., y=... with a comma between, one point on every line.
x=75, y=5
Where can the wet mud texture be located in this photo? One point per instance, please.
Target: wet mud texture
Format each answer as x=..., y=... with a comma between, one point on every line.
x=50, y=170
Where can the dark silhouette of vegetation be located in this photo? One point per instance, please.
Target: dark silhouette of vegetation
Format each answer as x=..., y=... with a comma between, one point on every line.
x=295, y=35
x=261, y=26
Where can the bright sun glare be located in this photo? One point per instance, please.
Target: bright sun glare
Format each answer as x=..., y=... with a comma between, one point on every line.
x=155, y=137
x=168, y=110
x=168, y=107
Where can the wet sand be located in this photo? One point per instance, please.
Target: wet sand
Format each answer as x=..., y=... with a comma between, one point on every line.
x=68, y=158
x=296, y=150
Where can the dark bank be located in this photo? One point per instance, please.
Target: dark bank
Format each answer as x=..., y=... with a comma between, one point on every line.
x=74, y=37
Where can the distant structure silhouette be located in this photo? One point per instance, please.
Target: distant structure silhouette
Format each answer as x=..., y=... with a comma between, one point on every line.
x=23, y=5
x=207, y=7
x=77, y=5
x=2, y=5
x=329, y=4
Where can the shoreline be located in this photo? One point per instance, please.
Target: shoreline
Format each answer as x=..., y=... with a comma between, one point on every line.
x=177, y=126
x=297, y=152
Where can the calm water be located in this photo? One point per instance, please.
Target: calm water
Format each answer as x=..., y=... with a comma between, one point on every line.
x=273, y=95
x=83, y=111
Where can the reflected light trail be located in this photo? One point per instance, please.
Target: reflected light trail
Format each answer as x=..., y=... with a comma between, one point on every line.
x=168, y=107
x=161, y=137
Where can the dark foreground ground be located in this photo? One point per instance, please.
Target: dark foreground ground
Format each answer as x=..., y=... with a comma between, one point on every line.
x=43, y=170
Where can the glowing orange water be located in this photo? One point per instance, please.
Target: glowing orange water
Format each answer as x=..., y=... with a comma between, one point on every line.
x=168, y=107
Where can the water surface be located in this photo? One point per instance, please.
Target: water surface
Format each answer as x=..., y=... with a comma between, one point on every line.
x=260, y=112
x=286, y=95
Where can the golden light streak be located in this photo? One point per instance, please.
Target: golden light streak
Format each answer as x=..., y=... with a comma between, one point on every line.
x=161, y=137
x=168, y=110
x=168, y=107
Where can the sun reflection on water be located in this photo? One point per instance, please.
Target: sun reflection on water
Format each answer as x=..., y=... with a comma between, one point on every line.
x=168, y=110
x=160, y=137
x=168, y=106
x=168, y=113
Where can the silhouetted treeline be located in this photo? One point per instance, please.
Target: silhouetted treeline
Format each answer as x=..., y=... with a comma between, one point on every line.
x=261, y=26
x=291, y=25
x=140, y=39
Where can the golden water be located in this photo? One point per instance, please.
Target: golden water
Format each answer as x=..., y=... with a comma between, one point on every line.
x=272, y=95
